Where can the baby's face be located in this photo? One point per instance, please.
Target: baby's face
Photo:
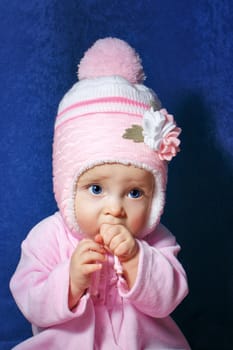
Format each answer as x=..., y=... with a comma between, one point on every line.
x=113, y=194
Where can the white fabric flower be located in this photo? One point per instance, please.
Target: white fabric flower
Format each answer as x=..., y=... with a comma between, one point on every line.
x=156, y=126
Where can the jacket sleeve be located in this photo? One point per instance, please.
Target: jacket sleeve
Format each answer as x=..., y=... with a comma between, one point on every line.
x=161, y=282
x=40, y=283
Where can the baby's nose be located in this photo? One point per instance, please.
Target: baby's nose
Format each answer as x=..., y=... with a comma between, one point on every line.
x=115, y=207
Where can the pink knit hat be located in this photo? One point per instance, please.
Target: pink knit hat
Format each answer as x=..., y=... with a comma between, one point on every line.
x=109, y=116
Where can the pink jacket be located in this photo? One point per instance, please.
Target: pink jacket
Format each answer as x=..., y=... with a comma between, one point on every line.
x=110, y=316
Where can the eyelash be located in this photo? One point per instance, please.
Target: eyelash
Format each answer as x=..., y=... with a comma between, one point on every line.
x=135, y=193
x=96, y=190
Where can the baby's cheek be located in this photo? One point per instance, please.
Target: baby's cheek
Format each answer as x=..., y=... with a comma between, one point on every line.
x=87, y=227
x=137, y=225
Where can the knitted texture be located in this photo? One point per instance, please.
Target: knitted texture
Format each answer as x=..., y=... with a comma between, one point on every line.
x=91, y=123
x=111, y=56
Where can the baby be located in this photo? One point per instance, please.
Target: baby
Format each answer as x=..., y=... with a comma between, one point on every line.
x=102, y=273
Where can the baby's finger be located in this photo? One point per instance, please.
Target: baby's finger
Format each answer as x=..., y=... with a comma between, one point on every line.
x=90, y=245
x=99, y=239
x=121, y=249
x=117, y=241
x=126, y=250
x=90, y=268
x=91, y=257
x=107, y=232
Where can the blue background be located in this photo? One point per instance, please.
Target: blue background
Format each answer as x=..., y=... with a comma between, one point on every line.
x=187, y=53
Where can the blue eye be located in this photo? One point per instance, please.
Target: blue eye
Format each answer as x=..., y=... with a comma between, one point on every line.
x=135, y=193
x=95, y=189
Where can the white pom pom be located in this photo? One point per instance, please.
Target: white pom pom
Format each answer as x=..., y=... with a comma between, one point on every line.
x=109, y=57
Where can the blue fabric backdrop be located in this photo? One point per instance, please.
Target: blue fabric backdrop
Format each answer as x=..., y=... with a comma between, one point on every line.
x=187, y=52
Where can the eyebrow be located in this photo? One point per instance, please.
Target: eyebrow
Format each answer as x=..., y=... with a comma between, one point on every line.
x=91, y=179
x=97, y=178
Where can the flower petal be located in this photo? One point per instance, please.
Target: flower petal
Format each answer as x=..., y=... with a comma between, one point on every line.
x=161, y=133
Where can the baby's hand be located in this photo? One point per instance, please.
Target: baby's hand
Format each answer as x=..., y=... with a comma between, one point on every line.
x=85, y=260
x=119, y=241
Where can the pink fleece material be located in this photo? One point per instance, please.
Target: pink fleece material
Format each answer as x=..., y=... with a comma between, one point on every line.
x=113, y=318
